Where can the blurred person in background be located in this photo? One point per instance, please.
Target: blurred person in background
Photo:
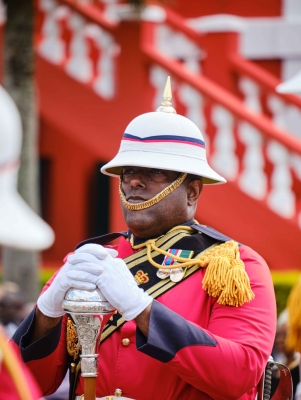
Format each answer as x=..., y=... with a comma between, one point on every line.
x=13, y=307
x=285, y=353
x=293, y=340
x=209, y=332
x=20, y=228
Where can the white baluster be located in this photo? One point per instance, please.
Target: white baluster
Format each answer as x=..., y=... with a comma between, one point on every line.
x=178, y=46
x=111, y=9
x=281, y=198
x=79, y=66
x=295, y=162
x=251, y=92
x=293, y=120
x=252, y=179
x=193, y=101
x=104, y=83
x=158, y=80
x=278, y=110
x=224, y=159
x=51, y=46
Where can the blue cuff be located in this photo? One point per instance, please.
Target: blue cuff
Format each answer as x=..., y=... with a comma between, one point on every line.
x=42, y=347
x=169, y=333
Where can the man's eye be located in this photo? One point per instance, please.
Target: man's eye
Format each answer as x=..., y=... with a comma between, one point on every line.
x=156, y=171
x=127, y=171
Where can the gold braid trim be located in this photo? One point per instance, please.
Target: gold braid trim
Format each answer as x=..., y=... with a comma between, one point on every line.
x=293, y=339
x=72, y=342
x=146, y=204
x=225, y=276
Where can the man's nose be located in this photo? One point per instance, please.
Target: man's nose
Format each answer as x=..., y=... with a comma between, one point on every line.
x=138, y=180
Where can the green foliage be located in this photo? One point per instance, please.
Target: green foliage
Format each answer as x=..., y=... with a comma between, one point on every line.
x=45, y=275
x=283, y=283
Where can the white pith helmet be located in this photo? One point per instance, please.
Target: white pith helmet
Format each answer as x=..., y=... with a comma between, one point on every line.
x=163, y=140
x=20, y=226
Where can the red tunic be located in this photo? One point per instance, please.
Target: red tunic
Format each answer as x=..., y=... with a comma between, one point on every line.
x=8, y=389
x=196, y=349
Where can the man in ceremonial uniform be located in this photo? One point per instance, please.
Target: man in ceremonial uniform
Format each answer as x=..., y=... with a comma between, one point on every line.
x=196, y=312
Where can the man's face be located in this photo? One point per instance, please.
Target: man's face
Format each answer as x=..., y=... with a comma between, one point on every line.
x=141, y=184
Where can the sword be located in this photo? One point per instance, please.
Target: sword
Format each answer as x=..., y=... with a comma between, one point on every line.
x=86, y=309
x=284, y=389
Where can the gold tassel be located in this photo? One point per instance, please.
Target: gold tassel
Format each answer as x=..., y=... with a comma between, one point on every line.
x=216, y=275
x=226, y=277
x=293, y=339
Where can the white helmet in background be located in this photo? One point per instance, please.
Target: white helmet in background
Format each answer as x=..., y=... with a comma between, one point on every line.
x=163, y=140
x=20, y=226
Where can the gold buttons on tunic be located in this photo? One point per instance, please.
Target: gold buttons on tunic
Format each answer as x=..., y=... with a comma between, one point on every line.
x=118, y=393
x=125, y=342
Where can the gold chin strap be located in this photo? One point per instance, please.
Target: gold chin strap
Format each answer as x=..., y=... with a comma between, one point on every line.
x=225, y=276
x=146, y=204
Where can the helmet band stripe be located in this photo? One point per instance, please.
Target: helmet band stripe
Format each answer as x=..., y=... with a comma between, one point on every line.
x=165, y=138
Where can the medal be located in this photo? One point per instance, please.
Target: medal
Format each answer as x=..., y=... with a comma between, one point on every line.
x=177, y=274
x=163, y=273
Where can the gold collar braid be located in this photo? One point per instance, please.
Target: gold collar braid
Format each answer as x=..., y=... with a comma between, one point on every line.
x=225, y=276
x=146, y=204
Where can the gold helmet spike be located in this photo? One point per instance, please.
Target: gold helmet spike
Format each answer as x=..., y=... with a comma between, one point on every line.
x=166, y=105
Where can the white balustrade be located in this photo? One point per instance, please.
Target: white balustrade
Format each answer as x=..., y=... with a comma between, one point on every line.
x=104, y=82
x=285, y=115
x=252, y=179
x=251, y=93
x=295, y=163
x=193, y=101
x=224, y=159
x=293, y=120
x=79, y=65
x=278, y=110
x=177, y=46
x=281, y=198
x=52, y=47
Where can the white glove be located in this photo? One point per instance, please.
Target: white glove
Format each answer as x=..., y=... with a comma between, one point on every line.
x=112, y=277
x=50, y=302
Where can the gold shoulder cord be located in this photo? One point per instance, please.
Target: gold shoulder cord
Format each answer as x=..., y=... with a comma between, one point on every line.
x=225, y=275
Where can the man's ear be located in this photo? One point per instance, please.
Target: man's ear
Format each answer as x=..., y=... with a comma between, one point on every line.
x=194, y=191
